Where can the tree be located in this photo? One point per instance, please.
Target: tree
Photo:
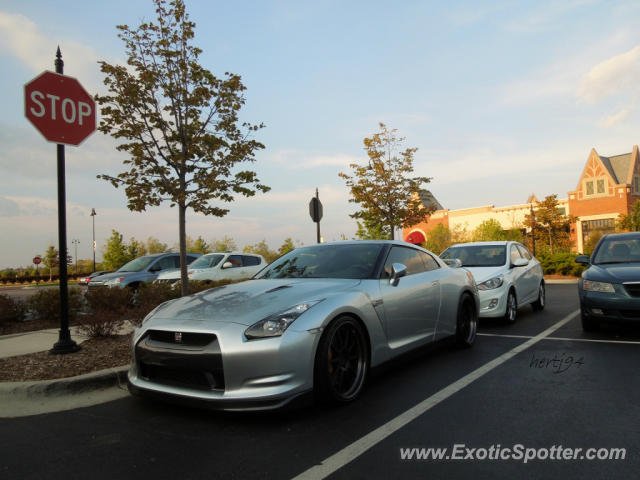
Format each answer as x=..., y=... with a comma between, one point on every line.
x=224, y=245
x=200, y=246
x=135, y=249
x=261, y=248
x=489, y=230
x=552, y=226
x=370, y=230
x=286, y=246
x=114, y=253
x=156, y=246
x=383, y=189
x=51, y=259
x=631, y=221
x=178, y=122
x=438, y=239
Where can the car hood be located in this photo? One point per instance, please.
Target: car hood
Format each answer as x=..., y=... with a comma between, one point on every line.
x=482, y=274
x=248, y=302
x=109, y=276
x=614, y=273
x=169, y=274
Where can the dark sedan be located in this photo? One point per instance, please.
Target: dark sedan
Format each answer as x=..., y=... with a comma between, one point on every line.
x=610, y=287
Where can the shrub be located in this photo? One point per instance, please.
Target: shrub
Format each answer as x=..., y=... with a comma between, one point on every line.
x=561, y=263
x=150, y=295
x=101, y=323
x=115, y=300
x=10, y=310
x=45, y=305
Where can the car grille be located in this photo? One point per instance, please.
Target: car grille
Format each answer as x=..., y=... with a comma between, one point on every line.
x=633, y=289
x=182, y=359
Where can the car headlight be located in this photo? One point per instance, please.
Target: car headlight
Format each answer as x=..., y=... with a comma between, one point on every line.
x=114, y=281
x=275, y=325
x=591, y=286
x=492, y=283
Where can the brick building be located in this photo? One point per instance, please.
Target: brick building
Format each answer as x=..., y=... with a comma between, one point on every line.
x=607, y=187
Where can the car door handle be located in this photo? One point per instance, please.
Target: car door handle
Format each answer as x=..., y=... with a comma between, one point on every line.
x=435, y=283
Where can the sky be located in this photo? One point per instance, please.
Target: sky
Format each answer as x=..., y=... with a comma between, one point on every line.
x=501, y=99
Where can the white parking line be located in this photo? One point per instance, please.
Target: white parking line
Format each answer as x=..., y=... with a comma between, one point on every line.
x=357, y=448
x=563, y=338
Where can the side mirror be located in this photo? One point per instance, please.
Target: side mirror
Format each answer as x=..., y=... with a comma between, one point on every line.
x=155, y=268
x=453, y=262
x=520, y=262
x=583, y=259
x=227, y=265
x=398, y=271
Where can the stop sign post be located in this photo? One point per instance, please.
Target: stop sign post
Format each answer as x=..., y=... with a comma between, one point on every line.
x=315, y=212
x=64, y=113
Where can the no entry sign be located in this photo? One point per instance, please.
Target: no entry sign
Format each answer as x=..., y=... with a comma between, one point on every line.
x=60, y=108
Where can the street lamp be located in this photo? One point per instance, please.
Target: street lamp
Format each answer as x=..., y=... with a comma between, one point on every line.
x=75, y=241
x=93, y=218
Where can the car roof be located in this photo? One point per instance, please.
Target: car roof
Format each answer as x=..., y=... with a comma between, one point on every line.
x=496, y=242
x=619, y=236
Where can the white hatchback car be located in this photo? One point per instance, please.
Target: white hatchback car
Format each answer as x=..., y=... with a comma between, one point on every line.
x=506, y=274
x=220, y=266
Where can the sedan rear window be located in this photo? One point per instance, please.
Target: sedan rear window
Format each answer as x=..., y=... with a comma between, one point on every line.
x=478, y=255
x=326, y=261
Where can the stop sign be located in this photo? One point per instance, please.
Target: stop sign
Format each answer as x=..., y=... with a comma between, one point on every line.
x=60, y=108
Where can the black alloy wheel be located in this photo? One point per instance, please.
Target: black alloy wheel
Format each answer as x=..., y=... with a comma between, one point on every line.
x=341, y=361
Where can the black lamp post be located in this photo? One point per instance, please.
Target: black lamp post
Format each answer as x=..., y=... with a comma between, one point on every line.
x=93, y=218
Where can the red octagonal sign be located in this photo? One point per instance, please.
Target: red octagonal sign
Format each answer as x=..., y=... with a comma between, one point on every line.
x=60, y=108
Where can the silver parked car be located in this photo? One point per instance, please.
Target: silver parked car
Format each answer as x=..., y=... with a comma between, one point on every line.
x=507, y=275
x=141, y=269
x=315, y=320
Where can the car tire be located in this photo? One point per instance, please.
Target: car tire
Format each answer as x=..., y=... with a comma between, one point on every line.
x=511, y=311
x=342, y=362
x=538, y=305
x=467, y=322
x=588, y=324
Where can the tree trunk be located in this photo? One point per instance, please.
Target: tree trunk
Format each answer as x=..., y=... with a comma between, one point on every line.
x=392, y=232
x=182, y=232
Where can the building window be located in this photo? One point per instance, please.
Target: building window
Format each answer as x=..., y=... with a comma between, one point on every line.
x=636, y=184
x=604, y=226
x=601, y=186
x=589, y=188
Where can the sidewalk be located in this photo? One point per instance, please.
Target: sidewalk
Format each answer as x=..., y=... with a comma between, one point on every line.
x=45, y=396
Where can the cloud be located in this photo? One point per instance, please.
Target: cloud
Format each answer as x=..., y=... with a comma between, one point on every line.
x=299, y=160
x=8, y=207
x=616, y=75
x=23, y=39
x=617, y=118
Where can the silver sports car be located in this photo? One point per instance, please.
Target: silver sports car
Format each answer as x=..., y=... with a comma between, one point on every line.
x=314, y=321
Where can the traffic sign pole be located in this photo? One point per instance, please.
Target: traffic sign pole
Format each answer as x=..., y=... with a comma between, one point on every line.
x=318, y=222
x=64, y=344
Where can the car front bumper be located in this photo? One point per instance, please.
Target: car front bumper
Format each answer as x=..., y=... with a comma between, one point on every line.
x=609, y=307
x=493, y=303
x=219, y=368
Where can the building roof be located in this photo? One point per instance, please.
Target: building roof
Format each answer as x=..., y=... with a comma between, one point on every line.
x=428, y=200
x=618, y=167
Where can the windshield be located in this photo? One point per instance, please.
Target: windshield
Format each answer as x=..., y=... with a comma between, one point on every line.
x=478, y=255
x=206, y=261
x=618, y=250
x=137, y=264
x=326, y=261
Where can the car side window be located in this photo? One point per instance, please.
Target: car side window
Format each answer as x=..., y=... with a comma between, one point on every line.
x=190, y=258
x=236, y=261
x=167, y=262
x=250, y=261
x=514, y=253
x=524, y=252
x=429, y=262
x=409, y=257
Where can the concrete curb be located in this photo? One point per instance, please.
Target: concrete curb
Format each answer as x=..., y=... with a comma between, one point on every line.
x=102, y=379
x=562, y=281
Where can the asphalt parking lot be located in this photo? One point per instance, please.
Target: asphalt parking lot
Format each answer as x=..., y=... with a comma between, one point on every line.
x=516, y=386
